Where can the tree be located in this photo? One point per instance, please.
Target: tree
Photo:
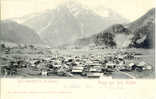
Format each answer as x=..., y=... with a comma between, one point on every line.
x=3, y=46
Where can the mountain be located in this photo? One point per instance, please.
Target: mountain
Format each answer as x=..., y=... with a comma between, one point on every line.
x=114, y=36
x=69, y=22
x=17, y=33
x=138, y=34
x=146, y=19
x=144, y=30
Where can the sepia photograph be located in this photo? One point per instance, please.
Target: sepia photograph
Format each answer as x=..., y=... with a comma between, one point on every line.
x=77, y=39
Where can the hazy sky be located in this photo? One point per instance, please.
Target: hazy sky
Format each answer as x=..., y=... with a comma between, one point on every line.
x=130, y=9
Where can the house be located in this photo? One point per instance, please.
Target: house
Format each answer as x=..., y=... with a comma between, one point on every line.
x=77, y=69
x=139, y=67
x=95, y=71
x=44, y=72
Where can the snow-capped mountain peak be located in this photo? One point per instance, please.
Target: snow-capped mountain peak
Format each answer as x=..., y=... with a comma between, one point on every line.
x=70, y=19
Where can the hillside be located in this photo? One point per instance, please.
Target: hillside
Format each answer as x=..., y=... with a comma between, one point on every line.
x=144, y=30
x=115, y=36
x=17, y=33
x=138, y=34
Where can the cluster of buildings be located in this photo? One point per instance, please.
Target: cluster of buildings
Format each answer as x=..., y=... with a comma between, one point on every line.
x=90, y=65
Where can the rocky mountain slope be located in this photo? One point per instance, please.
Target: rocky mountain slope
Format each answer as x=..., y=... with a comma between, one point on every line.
x=115, y=36
x=144, y=30
x=139, y=34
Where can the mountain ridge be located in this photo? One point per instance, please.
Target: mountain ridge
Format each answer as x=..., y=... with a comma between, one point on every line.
x=70, y=20
x=17, y=33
